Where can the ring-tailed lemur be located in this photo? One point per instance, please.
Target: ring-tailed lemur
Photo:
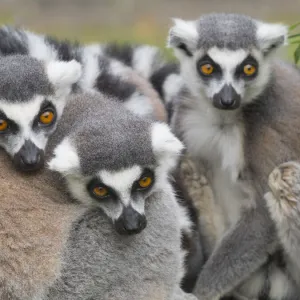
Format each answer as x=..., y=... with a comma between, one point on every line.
x=135, y=239
x=101, y=72
x=239, y=115
x=284, y=206
x=103, y=69
x=32, y=98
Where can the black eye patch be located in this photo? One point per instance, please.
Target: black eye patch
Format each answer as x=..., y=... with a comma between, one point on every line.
x=46, y=106
x=205, y=64
x=250, y=66
x=11, y=126
x=144, y=183
x=94, y=186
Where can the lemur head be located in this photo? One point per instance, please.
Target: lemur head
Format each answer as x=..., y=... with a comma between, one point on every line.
x=225, y=58
x=32, y=97
x=116, y=161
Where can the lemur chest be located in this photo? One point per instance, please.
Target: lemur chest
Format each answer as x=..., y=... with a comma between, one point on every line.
x=220, y=147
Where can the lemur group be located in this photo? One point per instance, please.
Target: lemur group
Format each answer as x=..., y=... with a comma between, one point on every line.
x=93, y=205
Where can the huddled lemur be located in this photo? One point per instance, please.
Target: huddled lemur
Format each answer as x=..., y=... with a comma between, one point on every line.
x=102, y=67
x=99, y=73
x=283, y=201
x=122, y=71
x=134, y=239
x=135, y=199
x=32, y=98
x=239, y=115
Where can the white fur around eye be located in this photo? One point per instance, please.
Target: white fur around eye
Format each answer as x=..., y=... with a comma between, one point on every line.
x=66, y=160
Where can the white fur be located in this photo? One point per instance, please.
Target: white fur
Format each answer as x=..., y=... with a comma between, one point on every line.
x=165, y=145
x=185, y=31
x=143, y=59
x=139, y=104
x=90, y=60
x=38, y=48
x=268, y=34
x=122, y=181
x=171, y=87
x=63, y=74
x=66, y=160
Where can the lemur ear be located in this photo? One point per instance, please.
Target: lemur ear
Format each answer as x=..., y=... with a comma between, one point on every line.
x=183, y=36
x=166, y=146
x=63, y=73
x=65, y=160
x=271, y=36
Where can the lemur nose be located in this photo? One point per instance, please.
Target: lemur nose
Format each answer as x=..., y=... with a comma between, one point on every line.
x=29, y=157
x=227, y=98
x=130, y=222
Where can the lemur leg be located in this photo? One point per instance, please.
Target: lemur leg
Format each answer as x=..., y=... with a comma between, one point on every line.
x=241, y=251
x=283, y=202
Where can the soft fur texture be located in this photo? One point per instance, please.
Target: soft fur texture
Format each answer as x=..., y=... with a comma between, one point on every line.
x=35, y=222
x=104, y=67
x=99, y=263
x=239, y=148
x=284, y=206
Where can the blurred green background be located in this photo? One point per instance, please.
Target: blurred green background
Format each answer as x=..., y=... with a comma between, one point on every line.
x=142, y=21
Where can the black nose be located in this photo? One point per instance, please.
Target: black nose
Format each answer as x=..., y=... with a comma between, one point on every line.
x=130, y=222
x=227, y=98
x=29, y=157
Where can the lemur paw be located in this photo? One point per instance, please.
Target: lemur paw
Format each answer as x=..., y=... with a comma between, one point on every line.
x=284, y=182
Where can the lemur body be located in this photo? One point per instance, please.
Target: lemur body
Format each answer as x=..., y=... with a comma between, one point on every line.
x=100, y=71
x=127, y=73
x=134, y=240
x=283, y=203
x=36, y=220
x=238, y=115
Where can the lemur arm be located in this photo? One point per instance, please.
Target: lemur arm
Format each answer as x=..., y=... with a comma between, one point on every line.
x=241, y=251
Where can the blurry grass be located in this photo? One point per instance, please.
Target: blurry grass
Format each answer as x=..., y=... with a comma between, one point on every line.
x=144, y=31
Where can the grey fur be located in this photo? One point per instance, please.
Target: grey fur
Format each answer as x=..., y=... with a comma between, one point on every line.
x=100, y=133
x=283, y=204
x=230, y=31
x=239, y=149
x=22, y=77
x=99, y=263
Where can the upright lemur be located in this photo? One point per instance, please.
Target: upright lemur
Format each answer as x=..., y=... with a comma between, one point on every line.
x=239, y=115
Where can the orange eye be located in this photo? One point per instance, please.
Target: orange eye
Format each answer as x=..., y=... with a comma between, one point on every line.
x=249, y=70
x=145, y=182
x=100, y=191
x=47, y=117
x=207, y=69
x=3, y=125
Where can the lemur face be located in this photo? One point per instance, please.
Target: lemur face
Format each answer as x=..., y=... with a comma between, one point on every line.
x=119, y=189
x=31, y=102
x=225, y=58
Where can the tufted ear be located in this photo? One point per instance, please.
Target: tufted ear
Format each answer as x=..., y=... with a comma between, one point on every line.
x=62, y=74
x=271, y=36
x=65, y=160
x=183, y=36
x=166, y=146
